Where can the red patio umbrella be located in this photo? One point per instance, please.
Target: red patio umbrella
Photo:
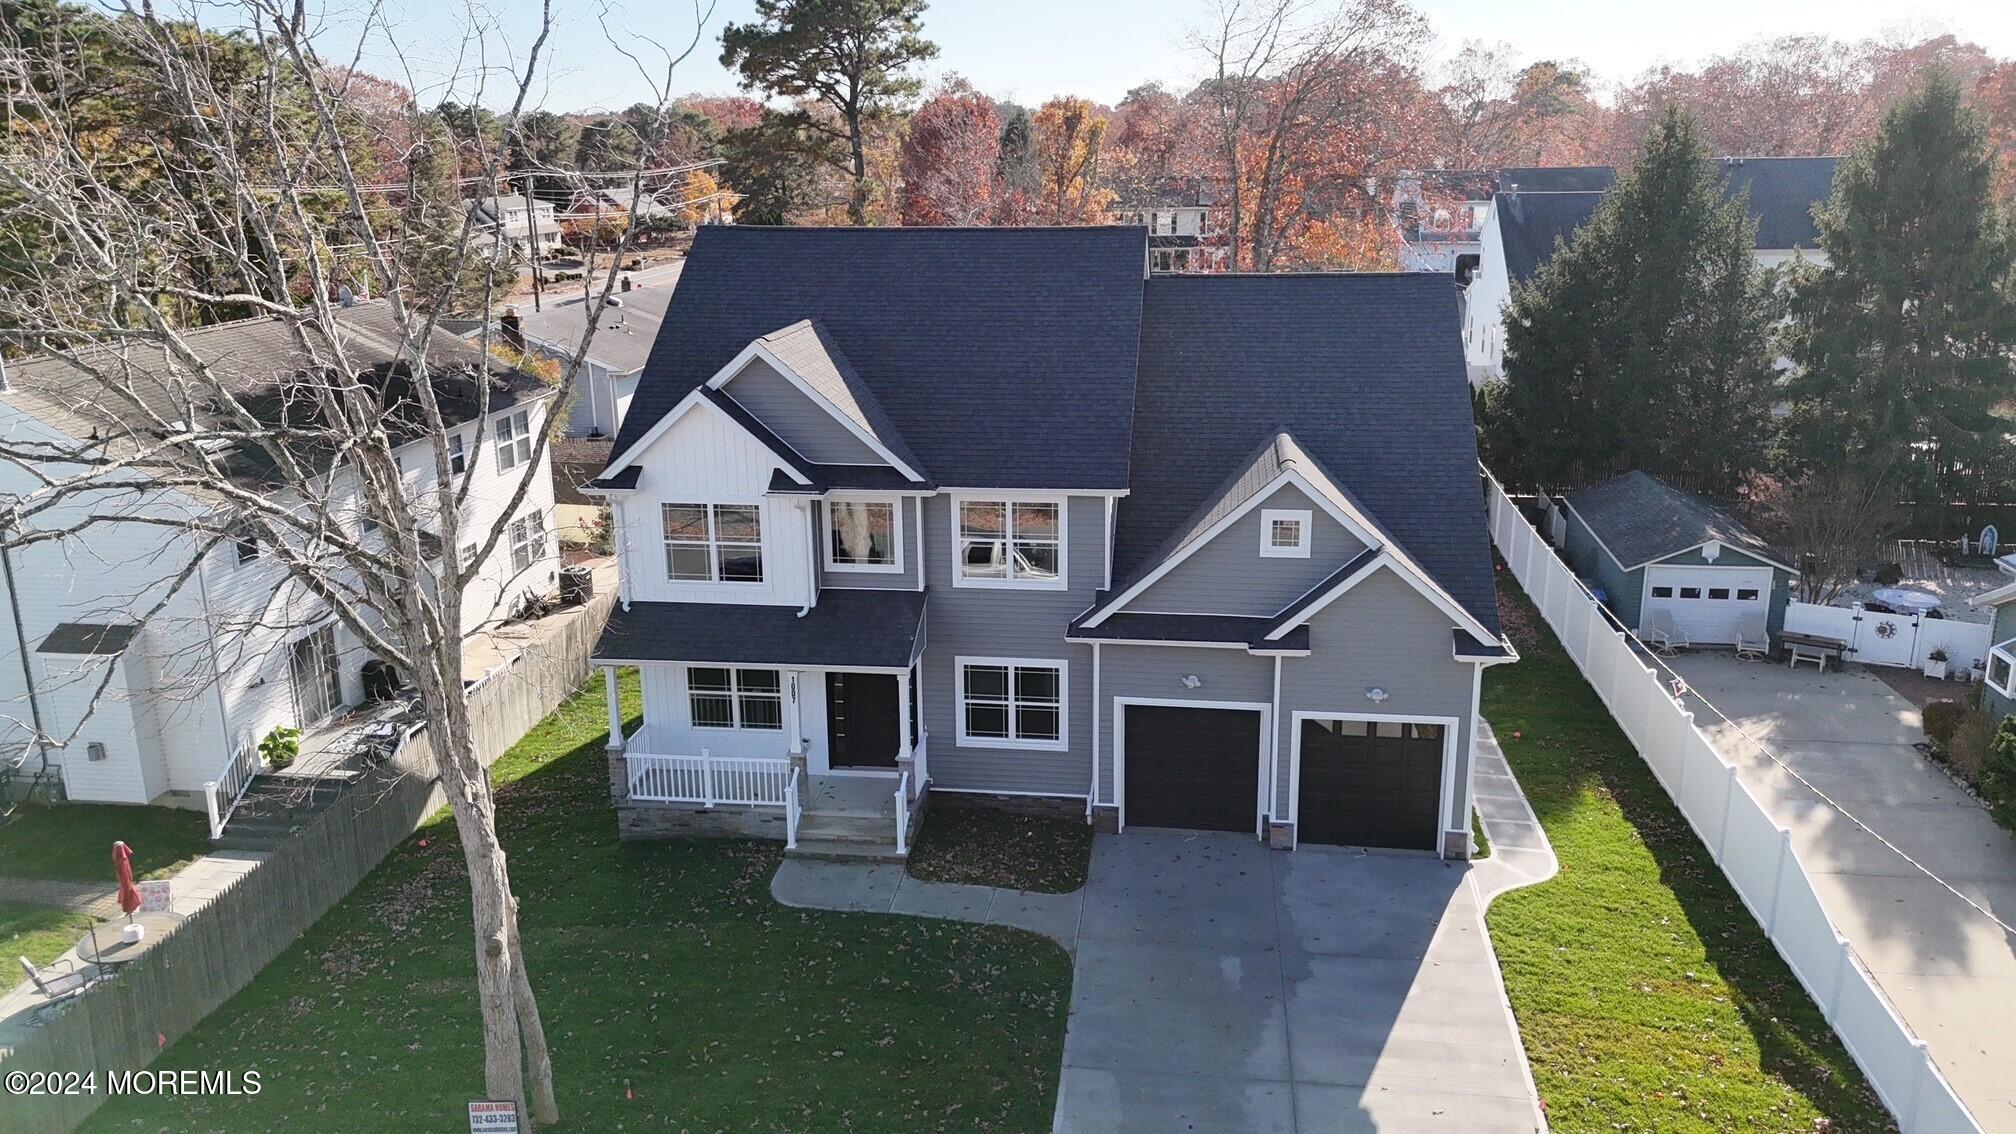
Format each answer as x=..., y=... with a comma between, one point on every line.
x=122, y=864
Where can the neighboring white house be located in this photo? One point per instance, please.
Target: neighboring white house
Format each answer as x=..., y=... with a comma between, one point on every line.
x=1524, y=223
x=1184, y=226
x=608, y=375
x=155, y=657
x=520, y=226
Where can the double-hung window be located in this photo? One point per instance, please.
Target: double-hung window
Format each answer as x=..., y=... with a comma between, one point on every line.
x=1011, y=703
x=514, y=440
x=457, y=461
x=1011, y=542
x=863, y=535
x=713, y=543
x=528, y=541
x=735, y=698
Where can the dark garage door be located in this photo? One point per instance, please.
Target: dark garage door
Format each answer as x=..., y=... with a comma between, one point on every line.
x=1194, y=768
x=1370, y=784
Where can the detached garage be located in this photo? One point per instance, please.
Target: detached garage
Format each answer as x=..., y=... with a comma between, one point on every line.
x=1650, y=547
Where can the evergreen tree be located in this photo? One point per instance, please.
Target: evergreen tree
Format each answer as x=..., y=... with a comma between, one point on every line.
x=440, y=269
x=1902, y=341
x=1647, y=344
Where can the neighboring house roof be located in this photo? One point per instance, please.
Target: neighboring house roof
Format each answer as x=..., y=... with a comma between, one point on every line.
x=1556, y=178
x=1004, y=357
x=624, y=336
x=87, y=638
x=576, y=460
x=872, y=628
x=2000, y=596
x=1641, y=518
x=807, y=347
x=1365, y=369
x=260, y=363
x=1530, y=223
x=1783, y=191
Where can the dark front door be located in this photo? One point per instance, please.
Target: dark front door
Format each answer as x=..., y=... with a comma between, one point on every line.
x=863, y=729
x=1194, y=768
x=1370, y=784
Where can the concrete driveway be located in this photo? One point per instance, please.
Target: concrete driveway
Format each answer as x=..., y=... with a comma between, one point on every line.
x=1949, y=970
x=1222, y=986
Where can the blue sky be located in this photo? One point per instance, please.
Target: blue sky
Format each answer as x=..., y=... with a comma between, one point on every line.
x=1032, y=49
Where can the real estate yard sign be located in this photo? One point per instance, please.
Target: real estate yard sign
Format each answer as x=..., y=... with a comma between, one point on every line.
x=493, y=1116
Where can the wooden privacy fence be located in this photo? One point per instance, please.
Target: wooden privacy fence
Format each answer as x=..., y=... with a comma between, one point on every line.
x=1754, y=852
x=121, y=1025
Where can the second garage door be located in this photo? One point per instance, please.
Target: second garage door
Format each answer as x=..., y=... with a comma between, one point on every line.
x=1370, y=783
x=1193, y=768
x=1707, y=603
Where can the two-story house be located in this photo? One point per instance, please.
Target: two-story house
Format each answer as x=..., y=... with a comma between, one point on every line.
x=1538, y=210
x=140, y=659
x=523, y=228
x=996, y=512
x=1185, y=220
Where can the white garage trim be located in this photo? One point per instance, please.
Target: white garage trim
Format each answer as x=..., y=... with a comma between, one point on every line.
x=1120, y=750
x=1449, y=730
x=1769, y=587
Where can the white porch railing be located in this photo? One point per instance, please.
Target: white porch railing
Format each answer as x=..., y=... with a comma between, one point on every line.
x=221, y=795
x=903, y=814
x=706, y=779
x=918, y=763
x=1753, y=850
x=792, y=811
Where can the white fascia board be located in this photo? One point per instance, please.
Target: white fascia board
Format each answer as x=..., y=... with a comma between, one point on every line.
x=1744, y=551
x=756, y=350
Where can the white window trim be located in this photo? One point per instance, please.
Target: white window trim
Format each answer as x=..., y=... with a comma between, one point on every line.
x=1303, y=517
x=896, y=529
x=1063, y=668
x=458, y=455
x=2007, y=652
x=520, y=532
x=1061, y=500
x=713, y=543
x=734, y=694
x=520, y=424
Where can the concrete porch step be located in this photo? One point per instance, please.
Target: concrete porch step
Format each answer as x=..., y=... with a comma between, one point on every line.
x=845, y=850
x=850, y=828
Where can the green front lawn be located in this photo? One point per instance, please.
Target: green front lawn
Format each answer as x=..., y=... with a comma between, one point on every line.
x=676, y=994
x=987, y=846
x=73, y=841
x=39, y=933
x=1647, y=996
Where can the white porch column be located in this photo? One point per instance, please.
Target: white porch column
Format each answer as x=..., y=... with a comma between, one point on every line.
x=797, y=738
x=903, y=714
x=615, y=708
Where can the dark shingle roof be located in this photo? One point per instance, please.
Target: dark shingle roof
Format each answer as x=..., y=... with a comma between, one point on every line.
x=575, y=461
x=1641, y=518
x=87, y=638
x=847, y=628
x=807, y=347
x=1529, y=223
x=1783, y=191
x=1005, y=357
x=1367, y=372
x=1556, y=178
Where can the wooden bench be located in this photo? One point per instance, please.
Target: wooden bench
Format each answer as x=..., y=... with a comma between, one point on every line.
x=1815, y=648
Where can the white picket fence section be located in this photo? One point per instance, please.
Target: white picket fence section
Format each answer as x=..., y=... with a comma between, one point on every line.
x=1751, y=848
x=1893, y=639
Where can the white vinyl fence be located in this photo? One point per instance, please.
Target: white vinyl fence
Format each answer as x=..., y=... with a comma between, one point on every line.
x=1753, y=851
x=1893, y=639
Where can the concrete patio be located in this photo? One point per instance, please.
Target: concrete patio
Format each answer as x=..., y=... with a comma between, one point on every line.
x=1949, y=970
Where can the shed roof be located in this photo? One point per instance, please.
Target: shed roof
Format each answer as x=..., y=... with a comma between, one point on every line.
x=1641, y=518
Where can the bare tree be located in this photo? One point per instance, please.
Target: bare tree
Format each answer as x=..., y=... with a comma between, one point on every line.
x=1284, y=72
x=1829, y=523
x=296, y=453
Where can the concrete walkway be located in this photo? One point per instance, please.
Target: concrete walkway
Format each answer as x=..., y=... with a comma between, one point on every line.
x=1949, y=970
x=888, y=888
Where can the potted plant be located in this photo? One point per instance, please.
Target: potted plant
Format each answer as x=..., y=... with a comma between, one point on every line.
x=280, y=747
x=1935, y=663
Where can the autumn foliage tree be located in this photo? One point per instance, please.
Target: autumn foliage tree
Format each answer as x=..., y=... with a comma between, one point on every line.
x=951, y=158
x=1069, y=133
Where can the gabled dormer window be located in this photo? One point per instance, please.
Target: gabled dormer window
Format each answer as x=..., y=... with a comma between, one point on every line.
x=1284, y=533
x=713, y=543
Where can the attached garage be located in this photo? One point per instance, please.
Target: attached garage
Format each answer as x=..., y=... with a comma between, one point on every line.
x=1708, y=604
x=1650, y=548
x=1370, y=783
x=1190, y=766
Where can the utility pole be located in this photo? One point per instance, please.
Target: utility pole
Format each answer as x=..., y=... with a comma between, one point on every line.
x=532, y=214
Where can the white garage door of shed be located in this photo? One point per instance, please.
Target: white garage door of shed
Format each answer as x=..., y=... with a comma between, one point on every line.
x=1708, y=603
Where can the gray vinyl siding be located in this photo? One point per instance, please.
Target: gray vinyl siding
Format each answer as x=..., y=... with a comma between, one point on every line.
x=1781, y=580
x=1001, y=622
x=904, y=580
x=1228, y=575
x=1588, y=559
x=804, y=424
x=1157, y=672
x=1381, y=634
x=2001, y=630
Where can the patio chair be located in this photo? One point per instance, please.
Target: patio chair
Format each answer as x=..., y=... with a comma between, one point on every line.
x=57, y=984
x=1662, y=635
x=1753, y=638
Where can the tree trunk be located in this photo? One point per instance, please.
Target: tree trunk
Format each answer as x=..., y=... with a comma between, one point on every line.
x=539, y=1063
x=857, y=201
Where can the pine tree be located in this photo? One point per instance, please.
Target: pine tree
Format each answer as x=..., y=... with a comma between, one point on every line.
x=1647, y=343
x=1902, y=341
